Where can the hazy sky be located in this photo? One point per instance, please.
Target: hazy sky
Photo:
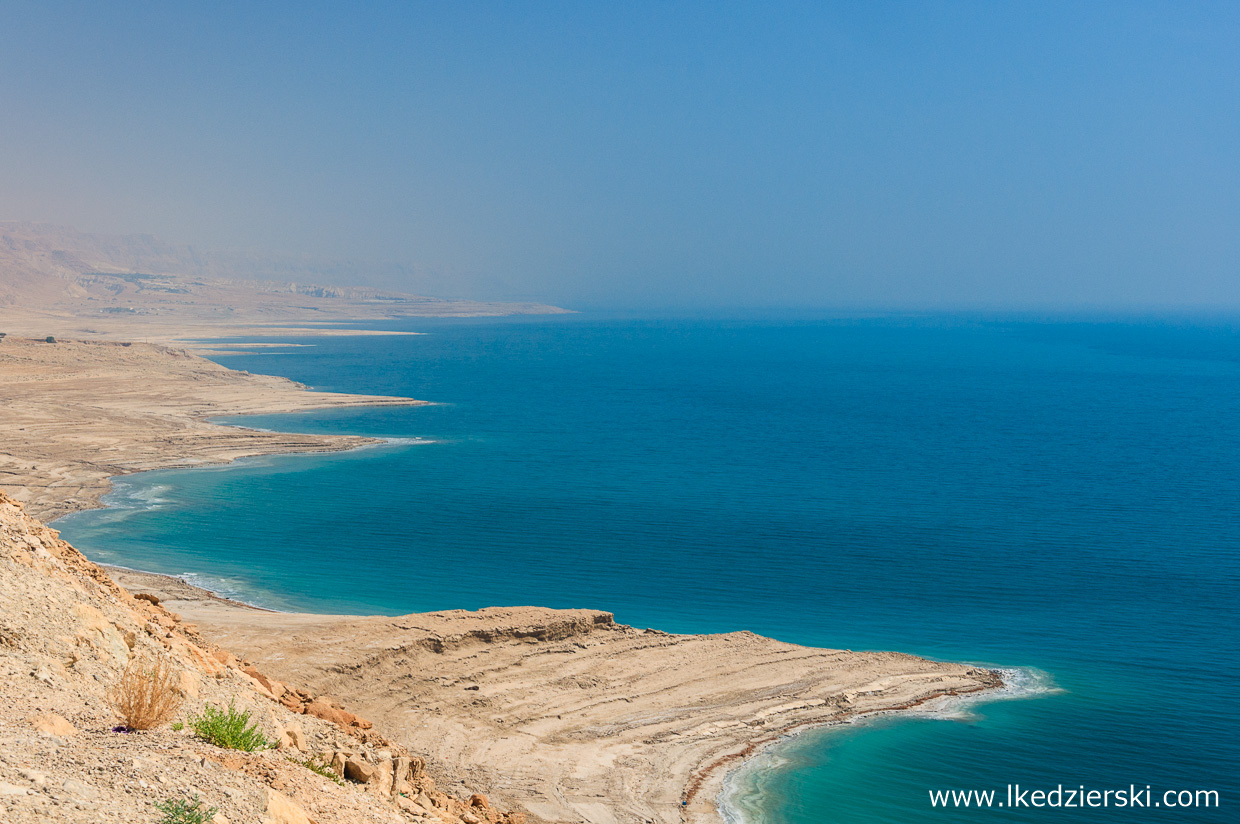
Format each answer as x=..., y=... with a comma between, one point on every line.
x=663, y=154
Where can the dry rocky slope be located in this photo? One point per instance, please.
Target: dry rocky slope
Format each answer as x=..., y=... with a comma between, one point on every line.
x=67, y=632
x=77, y=412
x=58, y=281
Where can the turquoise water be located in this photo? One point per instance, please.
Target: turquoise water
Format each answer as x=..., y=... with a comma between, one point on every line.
x=1055, y=497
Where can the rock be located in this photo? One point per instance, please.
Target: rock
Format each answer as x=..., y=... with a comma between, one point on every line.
x=53, y=724
x=297, y=736
x=79, y=789
x=7, y=789
x=382, y=780
x=220, y=818
x=97, y=631
x=283, y=810
x=479, y=800
x=407, y=805
x=188, y=684
x=402, y=771
x=43, y=674
x=146, y=596
x=270, y=684
x=343, y=718
x=338, y=762
x=359, y=771
x=470, y=818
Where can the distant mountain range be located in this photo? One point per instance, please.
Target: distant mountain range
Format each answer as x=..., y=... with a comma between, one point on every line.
x=60, y=271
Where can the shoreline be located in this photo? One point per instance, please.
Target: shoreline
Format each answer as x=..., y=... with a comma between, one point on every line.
x=692, y=749
x=82, y=412
x=611, y=719
x=721, y=777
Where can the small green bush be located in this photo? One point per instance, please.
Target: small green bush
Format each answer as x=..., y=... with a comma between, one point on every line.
x=177, y=726
x=185, y=811
x=51, y=339
x=229, y=729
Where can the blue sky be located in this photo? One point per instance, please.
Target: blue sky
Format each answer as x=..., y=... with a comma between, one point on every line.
x=868, y=154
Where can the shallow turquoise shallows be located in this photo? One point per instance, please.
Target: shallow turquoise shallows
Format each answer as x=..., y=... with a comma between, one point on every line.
x=1056, y=498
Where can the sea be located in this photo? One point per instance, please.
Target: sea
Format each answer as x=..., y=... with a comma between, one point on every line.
x=1058, y=498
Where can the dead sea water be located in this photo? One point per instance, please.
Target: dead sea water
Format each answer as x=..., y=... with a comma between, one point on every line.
x=1059, y=497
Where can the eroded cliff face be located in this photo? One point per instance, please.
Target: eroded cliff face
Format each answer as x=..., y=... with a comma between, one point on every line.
x=67, y=632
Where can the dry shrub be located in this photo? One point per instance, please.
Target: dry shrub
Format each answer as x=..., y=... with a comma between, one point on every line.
x=146, y=695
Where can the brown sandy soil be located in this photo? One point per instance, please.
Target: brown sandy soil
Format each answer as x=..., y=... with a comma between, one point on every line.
x=73, y=414
x=564, y=713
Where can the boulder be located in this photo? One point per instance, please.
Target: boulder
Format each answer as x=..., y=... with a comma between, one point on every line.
x=358, y=771
x=479, y=800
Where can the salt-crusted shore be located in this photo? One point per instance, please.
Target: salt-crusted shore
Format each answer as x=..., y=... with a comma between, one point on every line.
x=562, y=713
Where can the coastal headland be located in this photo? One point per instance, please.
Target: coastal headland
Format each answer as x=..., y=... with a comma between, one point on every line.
x=563, y=715
x=566, y=714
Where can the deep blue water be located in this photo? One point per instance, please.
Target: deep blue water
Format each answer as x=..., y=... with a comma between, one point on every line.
x=1060, y=497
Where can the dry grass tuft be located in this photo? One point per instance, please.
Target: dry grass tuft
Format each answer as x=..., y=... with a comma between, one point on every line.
x=146, y=695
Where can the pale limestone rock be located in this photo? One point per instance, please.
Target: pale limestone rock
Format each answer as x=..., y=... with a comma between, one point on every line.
x=297, y=737
x=357, y=770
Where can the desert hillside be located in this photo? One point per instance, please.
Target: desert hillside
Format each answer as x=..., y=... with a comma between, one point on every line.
x=68, y=633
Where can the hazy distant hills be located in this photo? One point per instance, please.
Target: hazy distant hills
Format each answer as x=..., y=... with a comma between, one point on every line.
x=60, y=271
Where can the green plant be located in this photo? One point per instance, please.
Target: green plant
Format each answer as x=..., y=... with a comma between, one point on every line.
x=316, y=766
x=185, y=811
x=51, y=339
x=177, y=726
x=229, y=729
